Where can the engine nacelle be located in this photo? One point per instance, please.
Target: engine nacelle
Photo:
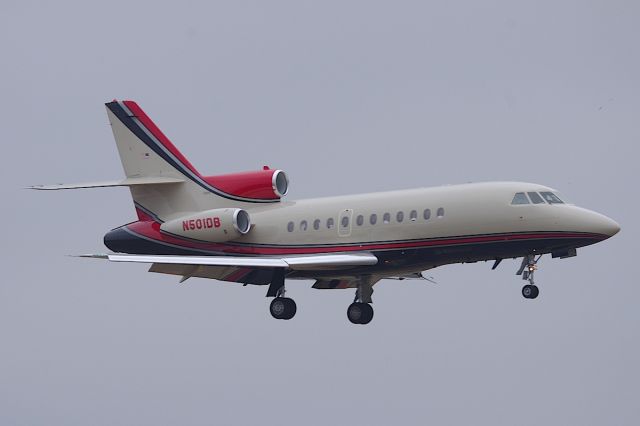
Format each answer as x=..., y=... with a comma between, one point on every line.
x=217, y=225
x=266, y=184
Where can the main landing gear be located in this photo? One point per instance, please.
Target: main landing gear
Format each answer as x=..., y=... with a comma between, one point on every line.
x=281, y=307
x=284, y=308
x=527, y=268
x=361, y=311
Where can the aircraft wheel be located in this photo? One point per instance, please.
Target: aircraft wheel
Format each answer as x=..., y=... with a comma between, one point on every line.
x=360, y=313
x=283, y=308
x=530, y=291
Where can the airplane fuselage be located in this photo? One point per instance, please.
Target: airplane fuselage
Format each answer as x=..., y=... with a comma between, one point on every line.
x=408, y=230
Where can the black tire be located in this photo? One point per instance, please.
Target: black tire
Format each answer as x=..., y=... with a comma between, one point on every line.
x=278, y=308
x=535, y=291
x=290, y=308
x=367, y=314
x=360, y=313
x=527, y=291
x=283, y=308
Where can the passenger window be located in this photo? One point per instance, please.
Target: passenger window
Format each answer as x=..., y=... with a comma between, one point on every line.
x=551, y=198
x=303, y=225
x=400, y=217
x=427, y=214
x=360, y=220
x=345, y=221
x=316, y=224
x=535, y=198
x=386, y=218
x=520, y=198
x=330, y=223
x=290, y=226
x=440, y=212
x=373, y=219
x=413, y=216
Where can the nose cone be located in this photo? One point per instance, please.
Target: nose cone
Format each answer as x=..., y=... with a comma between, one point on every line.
x=610, y=227
x=601, y=224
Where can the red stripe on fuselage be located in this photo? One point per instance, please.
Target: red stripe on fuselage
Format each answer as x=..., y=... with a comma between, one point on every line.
x=155, y=131
x=151, y=230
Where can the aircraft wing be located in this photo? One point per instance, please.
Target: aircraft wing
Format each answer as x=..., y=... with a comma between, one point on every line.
x=302, y=262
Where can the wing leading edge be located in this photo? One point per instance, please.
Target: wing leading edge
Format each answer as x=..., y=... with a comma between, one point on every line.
x=315, y=262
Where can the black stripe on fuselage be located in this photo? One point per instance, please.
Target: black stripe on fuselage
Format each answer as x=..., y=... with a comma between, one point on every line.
x=126, y=241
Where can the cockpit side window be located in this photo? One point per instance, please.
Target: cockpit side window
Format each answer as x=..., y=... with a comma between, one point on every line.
x=551, y=198
x=535, y=198
x=520, y=198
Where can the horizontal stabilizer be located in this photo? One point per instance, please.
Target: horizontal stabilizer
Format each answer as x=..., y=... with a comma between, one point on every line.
x=315, y=262
x=133, y=181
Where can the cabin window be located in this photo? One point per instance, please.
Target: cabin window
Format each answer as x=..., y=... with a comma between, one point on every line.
x=520, y=198
x=330, y=223
x=426, y=214
x=400, y=216
x=303, y=225
x=535, y=198
x=440, y=212
x=386, y=218
x=359, y=220
x=551, y=198
x=290, y=226
x=413, y=216
x=345, y=221
x=373, y=219
x=316, y=224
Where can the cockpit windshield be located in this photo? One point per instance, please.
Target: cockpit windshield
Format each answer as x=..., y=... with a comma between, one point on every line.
x=551, y=198
x=520, y=198
x=536, y=198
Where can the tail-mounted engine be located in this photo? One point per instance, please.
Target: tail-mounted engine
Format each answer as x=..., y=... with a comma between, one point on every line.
x=217, y=225
x=266, y=184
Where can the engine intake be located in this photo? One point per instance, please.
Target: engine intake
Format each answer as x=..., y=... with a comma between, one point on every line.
x=266, y=184
x=217, y=225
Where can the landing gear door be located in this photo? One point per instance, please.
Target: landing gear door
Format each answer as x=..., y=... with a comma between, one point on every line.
x=344, y=222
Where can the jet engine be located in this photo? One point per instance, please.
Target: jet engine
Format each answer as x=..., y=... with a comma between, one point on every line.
x=217, y=225
x=266, y=184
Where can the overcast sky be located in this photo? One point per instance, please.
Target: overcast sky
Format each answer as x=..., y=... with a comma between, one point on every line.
x=347, y=97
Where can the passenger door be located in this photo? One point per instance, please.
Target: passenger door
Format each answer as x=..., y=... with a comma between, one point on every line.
x=344, y=222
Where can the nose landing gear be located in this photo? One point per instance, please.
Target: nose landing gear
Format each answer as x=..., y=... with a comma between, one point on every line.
x=527, y=269
x=360, y=313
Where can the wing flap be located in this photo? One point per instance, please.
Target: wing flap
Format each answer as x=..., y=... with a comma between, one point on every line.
x=259, y=276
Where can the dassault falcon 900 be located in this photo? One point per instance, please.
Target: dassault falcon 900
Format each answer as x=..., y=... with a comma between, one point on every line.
x=235, y=227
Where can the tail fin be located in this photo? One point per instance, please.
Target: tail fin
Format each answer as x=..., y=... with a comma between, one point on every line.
x=144, y=149
x=164, y=184
x=146, y=152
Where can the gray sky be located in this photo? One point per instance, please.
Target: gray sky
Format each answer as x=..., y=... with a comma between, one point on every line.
x=346, y=97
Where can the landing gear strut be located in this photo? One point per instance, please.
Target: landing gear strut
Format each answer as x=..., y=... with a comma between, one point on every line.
x=281, y=307
x=360, y=311
x=527, y=269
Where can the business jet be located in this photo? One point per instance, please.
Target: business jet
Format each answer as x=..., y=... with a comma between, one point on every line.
x=237, y=227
